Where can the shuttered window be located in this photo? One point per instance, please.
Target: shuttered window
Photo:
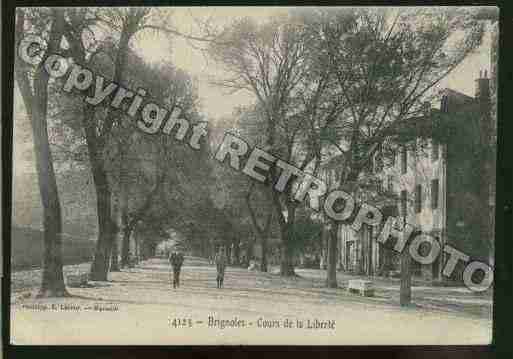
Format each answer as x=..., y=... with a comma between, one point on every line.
x=418, y=198
x=404, y=203
x=434, y=193
x=435, y=149
x=404, y=160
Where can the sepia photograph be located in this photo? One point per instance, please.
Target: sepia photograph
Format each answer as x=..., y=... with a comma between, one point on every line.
x=253, y=175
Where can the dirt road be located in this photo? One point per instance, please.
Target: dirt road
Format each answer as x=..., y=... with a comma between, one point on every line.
x=139, y=306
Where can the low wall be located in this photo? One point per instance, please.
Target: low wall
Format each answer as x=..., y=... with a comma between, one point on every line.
x=27, y=249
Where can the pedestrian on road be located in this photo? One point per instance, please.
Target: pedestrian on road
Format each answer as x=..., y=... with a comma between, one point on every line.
x=176, y=260
x=221, y=261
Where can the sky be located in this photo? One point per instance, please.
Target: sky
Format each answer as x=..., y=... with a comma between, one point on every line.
x=217, y=102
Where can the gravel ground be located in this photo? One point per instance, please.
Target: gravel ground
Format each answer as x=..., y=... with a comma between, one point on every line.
x=138, y=306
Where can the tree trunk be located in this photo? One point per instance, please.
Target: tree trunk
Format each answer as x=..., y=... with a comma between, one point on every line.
x=137, y=253
x=228, y=254
x=250, y=252
x=287, y=252
x=331, y=280
x=52, y=284
x=114, y=264
x=204, y=249
x=405, y=293
x=96, y=144
x=114, y=259
x=287, y=242
x=287, y=259
x=36, y=104
x=386, y=264
x=263, y=262
x=236, y=252
x=144, y=250
x=361, y=253
x=124, y=225
x=323, y=248
x=100, y=266
x=125, y=243
x=370, y=263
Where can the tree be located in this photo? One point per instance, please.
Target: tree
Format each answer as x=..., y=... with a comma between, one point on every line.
x=268, y=60
x=371, y=52
x=262, y=232
x=246, y=198
x=97, y=125
x=33, y=84
x=130, y=152
x=93, y=33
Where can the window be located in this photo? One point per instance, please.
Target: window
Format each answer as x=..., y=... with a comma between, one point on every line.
x=434, y=150
x=390, y=183
x=379, y=185
x=392, y=158
x=423, y=144
x=434, y=193
x=379, y=162
x=444, y=106
x=404, y=160
x=418, y=198
x=404, y=204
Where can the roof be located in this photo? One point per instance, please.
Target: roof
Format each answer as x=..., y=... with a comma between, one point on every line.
x=427, y=125
x=458, y=97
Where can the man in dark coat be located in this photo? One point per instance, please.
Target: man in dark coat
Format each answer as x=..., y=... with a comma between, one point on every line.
x=221, y=261
x=176, y=260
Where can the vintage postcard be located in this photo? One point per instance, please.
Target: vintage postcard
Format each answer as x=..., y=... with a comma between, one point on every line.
x=253, y=175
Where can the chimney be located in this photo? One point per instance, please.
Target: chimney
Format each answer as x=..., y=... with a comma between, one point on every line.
x=483, y=86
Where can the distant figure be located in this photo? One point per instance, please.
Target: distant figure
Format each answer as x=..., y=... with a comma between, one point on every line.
x=253, y=266
x=221, y=261
x=176, y=260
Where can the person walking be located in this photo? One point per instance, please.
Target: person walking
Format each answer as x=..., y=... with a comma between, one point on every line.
x=176, y=259
x=221, y=261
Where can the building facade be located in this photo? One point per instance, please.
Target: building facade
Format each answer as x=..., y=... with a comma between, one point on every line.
x=434, y=181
